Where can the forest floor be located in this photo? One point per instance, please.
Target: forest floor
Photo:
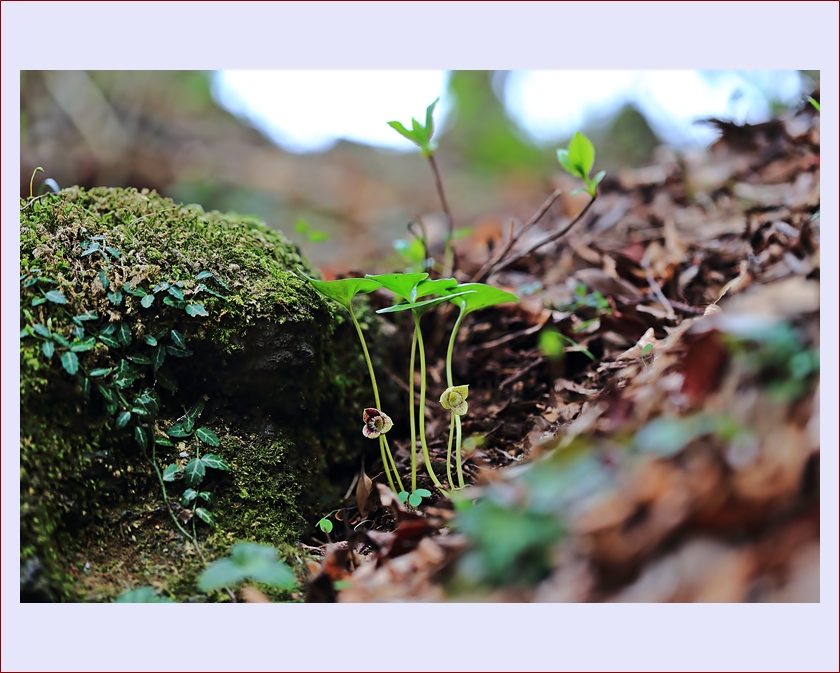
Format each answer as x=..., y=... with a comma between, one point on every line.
x=669, y=451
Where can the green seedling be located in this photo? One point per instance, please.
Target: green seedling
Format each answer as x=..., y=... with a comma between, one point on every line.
x=324, y=524
x=416, y=497
x=343, y=292
x=468, y=297
x=313, y=236
x=411, y=287
x=421, y=135
x=578, y=161
x=813, y=101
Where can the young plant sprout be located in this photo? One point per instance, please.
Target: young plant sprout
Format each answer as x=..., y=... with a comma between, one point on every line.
x=343, y=292
x=410, y=287
x=468, y=297
x=578, y=160
x=421, y=135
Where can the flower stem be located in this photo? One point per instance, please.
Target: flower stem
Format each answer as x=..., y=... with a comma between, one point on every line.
x=383, y=446
x=455, y=418
x=422, y=412
x=412, y=425
x=449, y=451
x=458, y=451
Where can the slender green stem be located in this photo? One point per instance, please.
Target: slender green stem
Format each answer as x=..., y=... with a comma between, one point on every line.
x=393, y=464
x=177, y=523
x=458, y=451
x=449, y=451
x=422, y=412
x=385, y=463
x=412, y=425
x=455, y=418
x=383, y=445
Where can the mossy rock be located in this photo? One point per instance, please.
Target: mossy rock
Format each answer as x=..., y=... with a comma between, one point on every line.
x=167, y=303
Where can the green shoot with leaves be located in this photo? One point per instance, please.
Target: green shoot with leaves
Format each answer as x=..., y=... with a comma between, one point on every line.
x=578, y=160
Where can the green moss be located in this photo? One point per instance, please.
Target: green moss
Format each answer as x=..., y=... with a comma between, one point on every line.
x=91, y=506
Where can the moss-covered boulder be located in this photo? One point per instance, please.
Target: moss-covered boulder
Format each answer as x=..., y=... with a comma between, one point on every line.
x=136, y=314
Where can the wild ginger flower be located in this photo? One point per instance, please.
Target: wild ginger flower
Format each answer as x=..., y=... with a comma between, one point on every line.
x=455, y=399
x=376, y=423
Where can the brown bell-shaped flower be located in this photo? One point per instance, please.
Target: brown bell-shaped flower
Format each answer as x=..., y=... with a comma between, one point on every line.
x=376, y=423
x=455, y=399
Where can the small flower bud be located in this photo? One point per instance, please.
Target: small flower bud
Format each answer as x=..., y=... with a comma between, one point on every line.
x=376, y=423
x=455, y=399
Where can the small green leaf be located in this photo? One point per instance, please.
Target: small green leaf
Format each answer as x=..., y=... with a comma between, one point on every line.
x=178, y=352
x=140, y=436
x=147, y=300
x=423, y=492
x=415, y=499
x=103, y=279
x=92, y=248
x=37, y=301
x=204, y=274
x=48, y=348
x=55, y=297
x=99, y=371
x=158, y=355
x=437, y=287
x=115, y=297
x=110, y=328
x=172, y=472
x=188, y=424
x=70, y=362
x=124, y=334
x=325, y=525
x=342, y=290
x=175, y=292
x=566, y=163
x=196, y=309
x=85, y=386
x=87, y=315
x=403, y=496
x=116, y=253
x=647, y=349
x=83, y=346
x=123, y=419
x=581, y=154
x=177, y=339
x=813, y=101
x=109, y=341
x=597, y=179
x=178, y=430
x=163, y=441
x=403, y=131
x=135, y=292
x=205, y=516
x=205, y=495
x=215, y=462
x=107, y=393
x=189, y=495
x=150, y=339
x=483, y=296
x=195, y=410
x=174, y=303
x=41, y=330
x=207, y=436
x=400, y=284
x=139, y=359
x=194, y=472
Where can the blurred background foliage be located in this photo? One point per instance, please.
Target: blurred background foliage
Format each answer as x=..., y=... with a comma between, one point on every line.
x=164, y=130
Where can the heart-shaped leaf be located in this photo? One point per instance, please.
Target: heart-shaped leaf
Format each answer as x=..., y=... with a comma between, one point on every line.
x=482, y=296
x=342, y=290
x=205, y=516
x=207, y=436
x=400, y=284
x=172, y=472
x=194, y=472
x=216, y=462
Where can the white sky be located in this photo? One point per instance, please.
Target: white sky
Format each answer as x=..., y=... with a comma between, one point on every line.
x=304, y=111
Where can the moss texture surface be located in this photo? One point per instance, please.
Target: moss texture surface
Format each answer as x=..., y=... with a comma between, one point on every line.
x=277, y=367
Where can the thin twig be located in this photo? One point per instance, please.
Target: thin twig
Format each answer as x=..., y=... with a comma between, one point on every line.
x=489, y=267
x=33, y=200
x=547, y=240
x=661, y=296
